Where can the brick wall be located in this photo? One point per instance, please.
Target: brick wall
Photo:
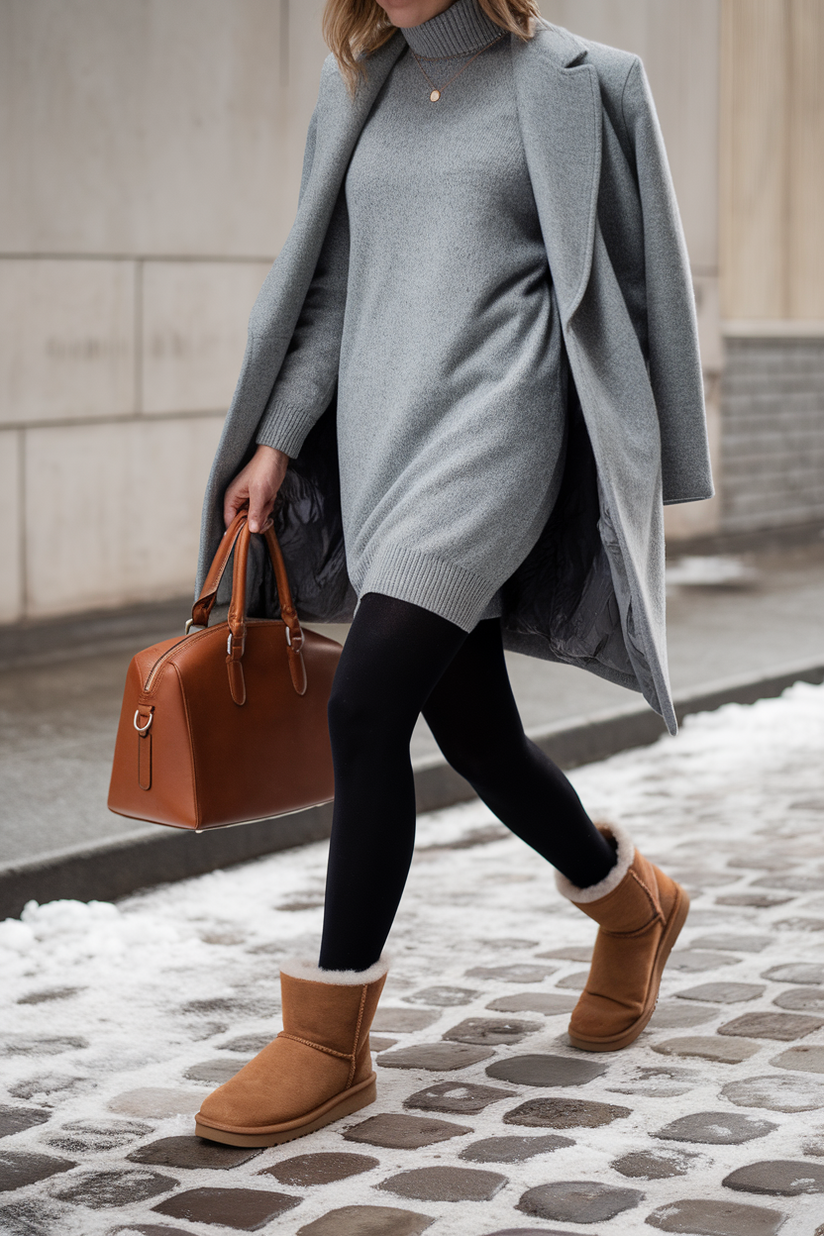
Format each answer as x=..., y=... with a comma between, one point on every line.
x=772, y=433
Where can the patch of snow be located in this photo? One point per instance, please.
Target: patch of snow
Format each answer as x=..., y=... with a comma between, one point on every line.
x=165, y=979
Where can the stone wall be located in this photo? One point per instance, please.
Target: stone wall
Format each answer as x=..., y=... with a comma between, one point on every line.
x=680, y=46
x=116, y=380
x=151, y=158
x=772, y=439
x=772, y=263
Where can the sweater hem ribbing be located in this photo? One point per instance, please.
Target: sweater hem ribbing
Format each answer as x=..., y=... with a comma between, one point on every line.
x=284, y=428
x=452, y=592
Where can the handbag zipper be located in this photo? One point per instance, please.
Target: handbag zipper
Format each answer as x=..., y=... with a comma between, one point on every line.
x=188, y=639
x=155, y=668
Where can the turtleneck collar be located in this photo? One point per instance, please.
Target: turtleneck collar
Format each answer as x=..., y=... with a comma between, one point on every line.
x=459, y=31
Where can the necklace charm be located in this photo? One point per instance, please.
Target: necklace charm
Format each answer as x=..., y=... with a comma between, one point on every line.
x=436, y=93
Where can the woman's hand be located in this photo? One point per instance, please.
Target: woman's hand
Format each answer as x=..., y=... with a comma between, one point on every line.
x=256, y=487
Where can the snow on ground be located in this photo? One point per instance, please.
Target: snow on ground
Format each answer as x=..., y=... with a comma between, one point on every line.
x=100, y=1001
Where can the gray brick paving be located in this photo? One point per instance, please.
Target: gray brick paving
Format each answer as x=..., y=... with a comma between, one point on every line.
x=487, y=1120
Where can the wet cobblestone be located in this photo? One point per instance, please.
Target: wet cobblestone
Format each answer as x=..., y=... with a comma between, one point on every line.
x=487, y=1120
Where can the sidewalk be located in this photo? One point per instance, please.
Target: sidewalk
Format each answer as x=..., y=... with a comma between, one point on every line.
x=58, y=719
x=119, y=1019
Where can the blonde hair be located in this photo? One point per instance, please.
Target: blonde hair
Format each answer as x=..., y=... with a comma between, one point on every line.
x=354, y=29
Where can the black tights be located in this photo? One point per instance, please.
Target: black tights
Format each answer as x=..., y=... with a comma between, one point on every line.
x=398, y=661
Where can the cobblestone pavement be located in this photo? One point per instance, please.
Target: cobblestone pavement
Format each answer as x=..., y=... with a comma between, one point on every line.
x=118, y=1019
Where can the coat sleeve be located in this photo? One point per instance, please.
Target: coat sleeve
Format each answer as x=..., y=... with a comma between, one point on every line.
x=307, y=377
x=674, y=360
x=308, y=154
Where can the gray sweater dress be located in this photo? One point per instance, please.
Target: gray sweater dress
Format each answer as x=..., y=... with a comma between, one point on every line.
x=432, y=310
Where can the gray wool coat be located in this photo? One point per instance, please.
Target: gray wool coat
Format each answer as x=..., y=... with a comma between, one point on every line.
x=591, y=593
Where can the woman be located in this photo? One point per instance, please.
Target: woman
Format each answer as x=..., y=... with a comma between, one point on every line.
x=484, y=306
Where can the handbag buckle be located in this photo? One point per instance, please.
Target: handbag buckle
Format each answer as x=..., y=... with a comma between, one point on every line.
x=142, y=729
x=236, y=646
x=298, y=644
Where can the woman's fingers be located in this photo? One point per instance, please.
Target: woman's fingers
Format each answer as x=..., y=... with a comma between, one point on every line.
x=237, y=497
x=261, y=501
x=256, y=487
x=268, y=468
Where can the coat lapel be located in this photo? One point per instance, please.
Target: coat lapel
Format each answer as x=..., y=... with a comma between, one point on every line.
x=559, y=108
x=340, y=119
x=337, y=124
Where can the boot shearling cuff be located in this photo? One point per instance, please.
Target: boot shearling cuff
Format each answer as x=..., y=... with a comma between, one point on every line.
x=297, y=968
x=625, y=855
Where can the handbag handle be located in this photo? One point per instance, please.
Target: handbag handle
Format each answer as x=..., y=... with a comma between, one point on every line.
x=237, y=537
x=204, y=604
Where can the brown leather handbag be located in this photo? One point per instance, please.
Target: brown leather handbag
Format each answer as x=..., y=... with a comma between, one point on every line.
x=228, y=723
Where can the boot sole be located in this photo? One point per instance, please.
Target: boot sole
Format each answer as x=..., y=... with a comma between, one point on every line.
x=350, y=1101
x=673, y=929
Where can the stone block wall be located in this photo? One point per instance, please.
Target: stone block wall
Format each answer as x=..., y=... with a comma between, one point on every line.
x=152, y=153
x=772, y=433
x=152, y=158
x=115, y=375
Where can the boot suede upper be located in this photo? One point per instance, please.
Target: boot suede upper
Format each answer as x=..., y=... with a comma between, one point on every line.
x=638, y=921
x=322, y=1051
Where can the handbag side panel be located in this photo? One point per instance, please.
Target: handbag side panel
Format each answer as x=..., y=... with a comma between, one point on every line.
x=270, y=755
x=153, y=776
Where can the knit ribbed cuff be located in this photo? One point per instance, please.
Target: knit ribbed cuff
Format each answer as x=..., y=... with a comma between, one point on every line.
x=445, y=589
x=285, y=428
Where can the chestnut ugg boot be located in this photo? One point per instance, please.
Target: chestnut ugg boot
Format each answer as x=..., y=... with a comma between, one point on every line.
x=640, y=912
x=318, y=1069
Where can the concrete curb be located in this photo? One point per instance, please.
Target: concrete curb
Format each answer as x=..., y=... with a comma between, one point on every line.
x=50, y=641
x=115, y=868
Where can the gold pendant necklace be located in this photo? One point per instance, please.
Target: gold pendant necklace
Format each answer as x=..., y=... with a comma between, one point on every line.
x=436, y=91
